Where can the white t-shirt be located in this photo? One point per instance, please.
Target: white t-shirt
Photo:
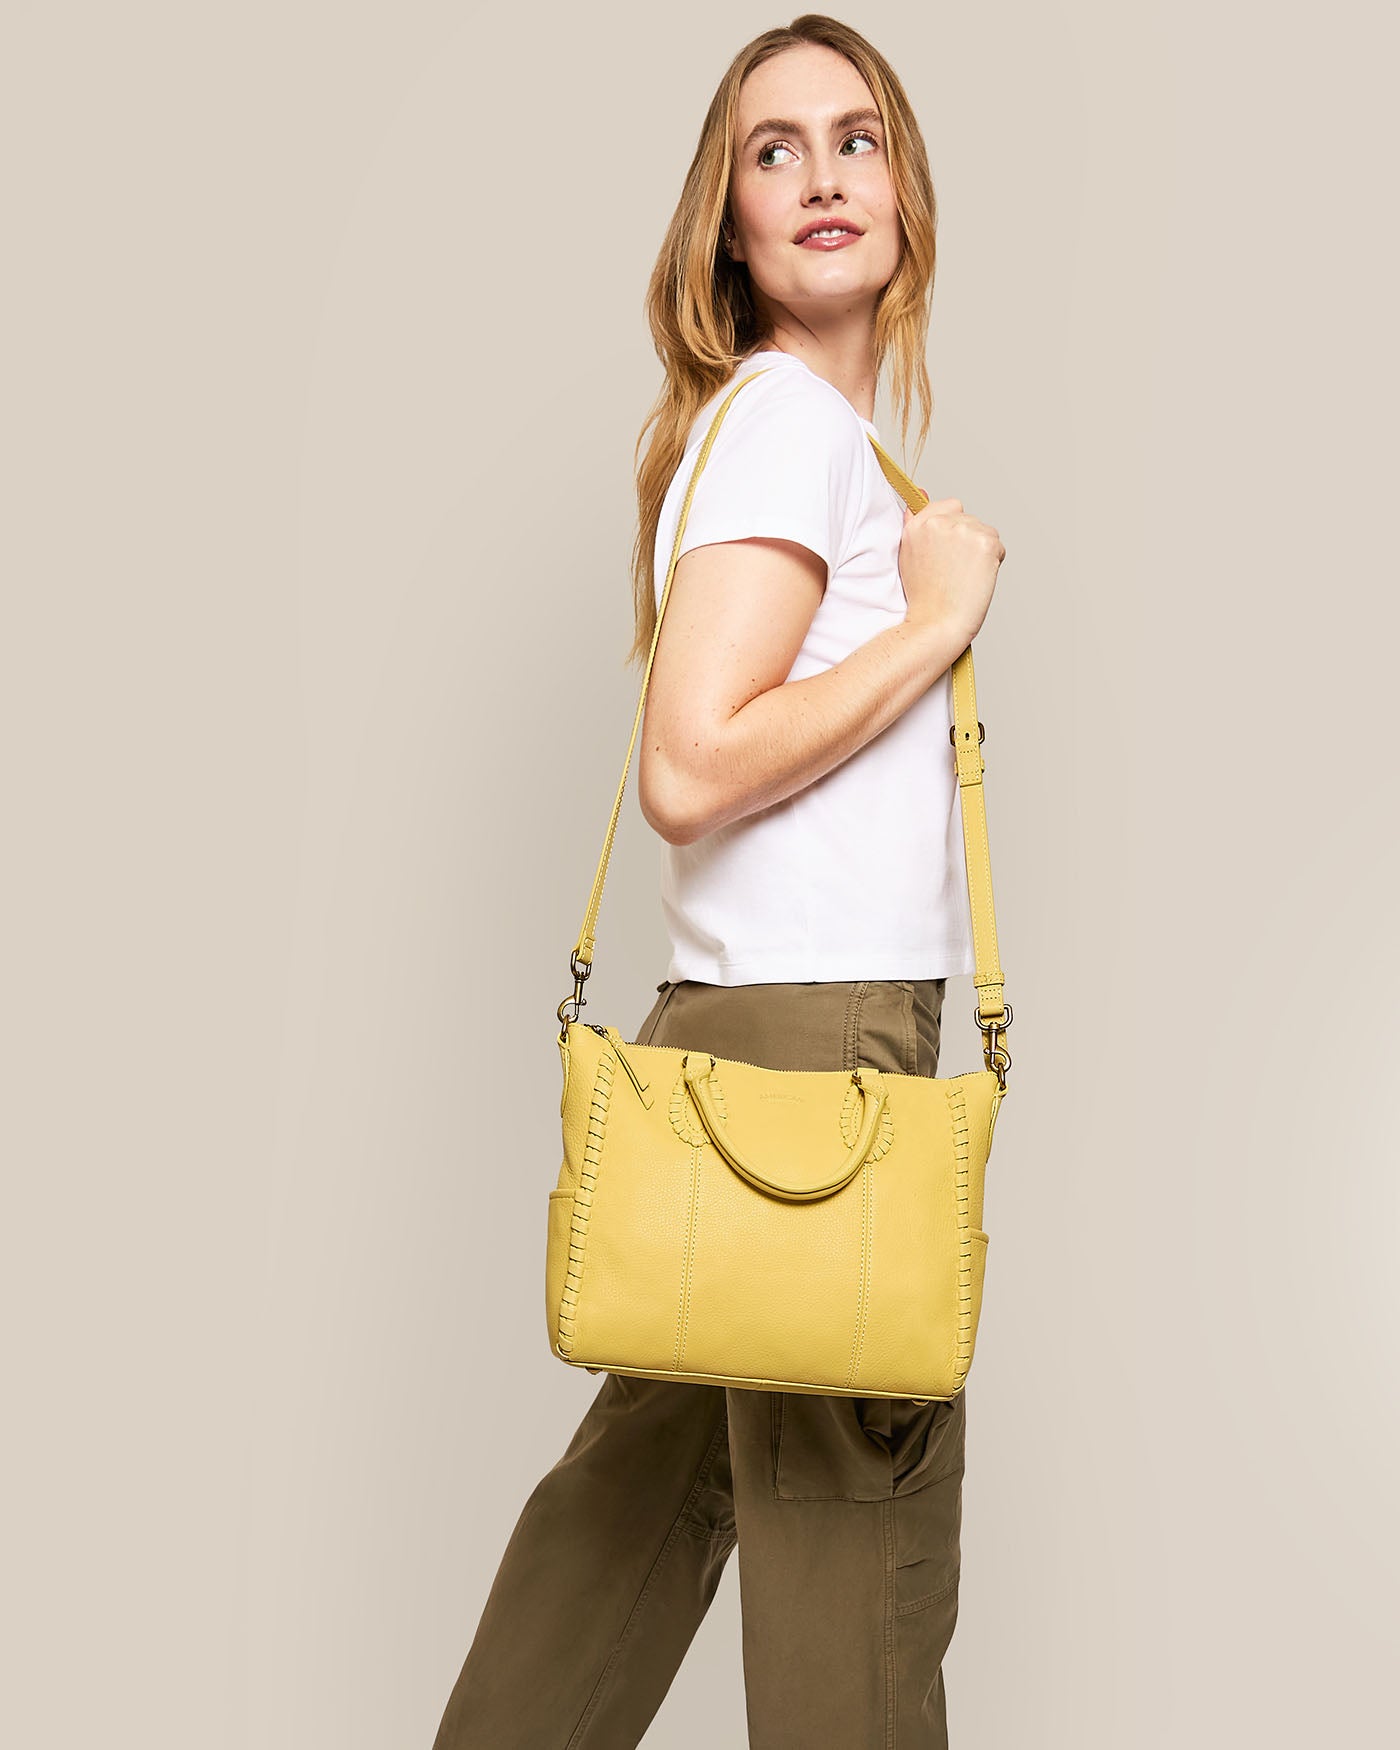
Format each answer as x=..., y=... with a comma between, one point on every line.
x=861, y=874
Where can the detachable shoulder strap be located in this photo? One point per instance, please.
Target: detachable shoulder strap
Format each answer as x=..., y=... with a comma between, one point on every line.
x=992, y=1013
x=967, y=753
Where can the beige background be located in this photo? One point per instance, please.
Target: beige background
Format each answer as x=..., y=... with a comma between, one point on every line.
x=324, y=360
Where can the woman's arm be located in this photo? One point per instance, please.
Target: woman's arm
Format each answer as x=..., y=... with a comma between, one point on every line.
x=724, y=733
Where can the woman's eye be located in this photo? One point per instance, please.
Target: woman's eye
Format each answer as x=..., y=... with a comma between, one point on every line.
x=780, y=146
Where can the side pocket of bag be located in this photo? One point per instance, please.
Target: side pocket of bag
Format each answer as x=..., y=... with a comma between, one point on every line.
x=556, y=1266
x=979, y=1265
x=971, y=1277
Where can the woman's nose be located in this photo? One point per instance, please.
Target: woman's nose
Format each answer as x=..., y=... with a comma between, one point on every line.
x=825, y=178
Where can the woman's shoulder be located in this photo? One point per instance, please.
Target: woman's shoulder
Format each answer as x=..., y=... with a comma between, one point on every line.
x=785, y=401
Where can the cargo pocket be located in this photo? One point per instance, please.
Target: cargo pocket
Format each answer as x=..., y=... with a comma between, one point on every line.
x=927, y=1564
x=862, y=1449
x=927, y=1442
x=880, y=1026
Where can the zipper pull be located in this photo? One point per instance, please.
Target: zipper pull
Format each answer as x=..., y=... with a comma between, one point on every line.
x=614, y=1039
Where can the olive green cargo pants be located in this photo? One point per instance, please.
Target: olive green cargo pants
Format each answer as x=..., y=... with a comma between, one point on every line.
x=846, y=1511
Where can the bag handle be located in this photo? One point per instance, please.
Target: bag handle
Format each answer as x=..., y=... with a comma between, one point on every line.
x=993, y=1013
x=796, y=1184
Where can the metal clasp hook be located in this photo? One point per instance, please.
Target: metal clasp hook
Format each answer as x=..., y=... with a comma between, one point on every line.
x=580, y=970
x=995, y=1056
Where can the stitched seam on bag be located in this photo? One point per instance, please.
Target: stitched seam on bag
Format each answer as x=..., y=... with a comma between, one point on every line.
x=957, y=1105
x=684, y=1315
x=583, y=1202
x=867, y=1198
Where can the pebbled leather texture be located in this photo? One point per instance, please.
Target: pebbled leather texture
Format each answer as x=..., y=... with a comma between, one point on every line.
x=665, y=1260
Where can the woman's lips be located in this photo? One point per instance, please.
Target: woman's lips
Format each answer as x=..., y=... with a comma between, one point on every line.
x=838, y=242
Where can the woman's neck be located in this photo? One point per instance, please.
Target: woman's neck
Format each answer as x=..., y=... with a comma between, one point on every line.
x=847, y=365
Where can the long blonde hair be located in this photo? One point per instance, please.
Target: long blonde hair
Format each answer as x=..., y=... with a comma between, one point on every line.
x=699, y=304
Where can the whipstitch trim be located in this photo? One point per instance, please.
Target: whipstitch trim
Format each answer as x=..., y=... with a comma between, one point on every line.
x=685, y=1120
x=854, y=1102
x=583, y=1201
x=957, y=1105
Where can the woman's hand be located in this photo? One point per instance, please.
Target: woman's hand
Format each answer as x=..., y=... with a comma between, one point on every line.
x=948, y=563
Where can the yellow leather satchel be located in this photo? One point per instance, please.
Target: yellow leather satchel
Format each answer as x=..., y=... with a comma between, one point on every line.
x=830, y=1241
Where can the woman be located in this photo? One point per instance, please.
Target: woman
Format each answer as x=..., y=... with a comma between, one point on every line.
x=796, y=763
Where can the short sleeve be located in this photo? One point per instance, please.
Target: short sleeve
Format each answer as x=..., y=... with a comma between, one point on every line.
x=783, y=465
